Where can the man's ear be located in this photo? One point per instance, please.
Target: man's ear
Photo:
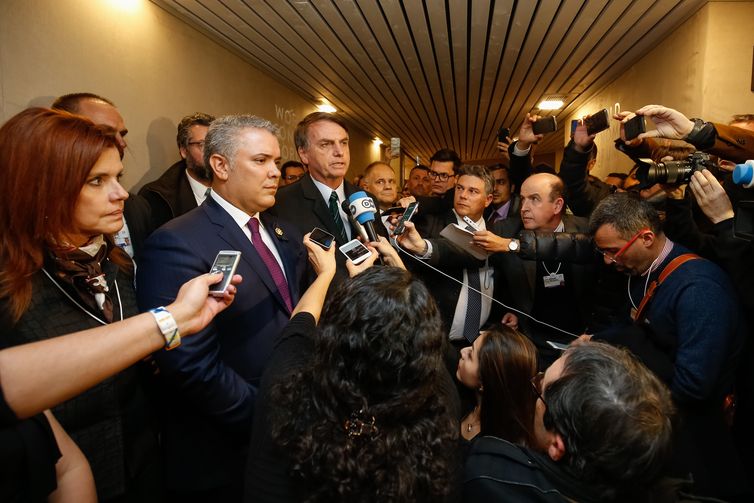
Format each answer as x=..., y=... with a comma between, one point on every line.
x=648, y=239
x=183, y=152
x=220, y=166
x=559, y=203
x=556, y=447
x=488, y=200
x=303, y=156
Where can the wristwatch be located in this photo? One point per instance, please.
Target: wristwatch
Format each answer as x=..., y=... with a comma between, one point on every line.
x=514, y=245
x=167, y=326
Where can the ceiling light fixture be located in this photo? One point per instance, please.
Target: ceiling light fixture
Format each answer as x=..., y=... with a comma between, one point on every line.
x=550, y=103
x=377, y=141
x=325, y=106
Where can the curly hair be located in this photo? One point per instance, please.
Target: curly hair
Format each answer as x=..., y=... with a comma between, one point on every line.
x=378, y=355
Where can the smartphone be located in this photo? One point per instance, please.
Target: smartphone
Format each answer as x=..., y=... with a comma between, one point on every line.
x=226, y=263
x=545, y=125
x=322, y=238
x=356, y=251
x=557, y=345
x=395, y=211
x=471, y=224
x=574, y=125
x=597, y=122
x=634, y=127
x=407, y=215
x=503, y=134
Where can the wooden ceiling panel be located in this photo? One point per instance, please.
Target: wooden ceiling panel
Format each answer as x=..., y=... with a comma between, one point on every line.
x=440, y=73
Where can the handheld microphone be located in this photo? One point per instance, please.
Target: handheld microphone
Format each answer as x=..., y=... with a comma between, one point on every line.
x=362, y=208
x=356, y=225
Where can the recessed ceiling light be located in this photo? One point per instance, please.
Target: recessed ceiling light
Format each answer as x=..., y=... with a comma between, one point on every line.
x=325, y=106
x=550, y=104
x=377, y=141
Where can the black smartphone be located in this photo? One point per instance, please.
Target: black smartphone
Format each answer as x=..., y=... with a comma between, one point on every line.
x=634, y=127
x=503, y=134
x=322, y=238
x=545, y=125
x=407, y=215
x=597, y=122
x=226, y=263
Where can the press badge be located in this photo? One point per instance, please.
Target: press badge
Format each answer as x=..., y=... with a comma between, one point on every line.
x=553, y=280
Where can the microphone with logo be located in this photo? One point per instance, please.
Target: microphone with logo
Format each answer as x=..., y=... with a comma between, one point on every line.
x=356, y=225
x=362, y=209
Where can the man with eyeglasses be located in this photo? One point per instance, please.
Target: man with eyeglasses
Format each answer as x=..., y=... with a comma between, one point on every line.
x=379, y=179
x=603, y=430
x=184, y=185
x=687, y=327
x=443, y=166
x=291, y=172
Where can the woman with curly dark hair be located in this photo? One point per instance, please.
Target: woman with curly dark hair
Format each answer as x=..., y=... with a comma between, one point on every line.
x=499, y=367
x=361, y=407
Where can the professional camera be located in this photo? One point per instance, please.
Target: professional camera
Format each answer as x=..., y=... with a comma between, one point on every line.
x=673, y=172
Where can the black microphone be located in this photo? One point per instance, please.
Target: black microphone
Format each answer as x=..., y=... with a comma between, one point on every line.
x=356, y=225
x=362, y=208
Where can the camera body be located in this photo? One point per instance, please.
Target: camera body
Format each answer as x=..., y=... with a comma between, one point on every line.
x=673, y=172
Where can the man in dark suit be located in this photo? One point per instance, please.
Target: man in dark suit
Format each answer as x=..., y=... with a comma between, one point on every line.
x=184, y=185
x=505, y=202
x=210, y=381
x=315, y=201
x=554, y=292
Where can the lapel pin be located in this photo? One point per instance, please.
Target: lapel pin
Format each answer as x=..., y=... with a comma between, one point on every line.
x=279, y=232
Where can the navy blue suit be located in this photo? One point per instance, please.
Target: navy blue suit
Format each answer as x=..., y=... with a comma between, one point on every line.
x=210, y=381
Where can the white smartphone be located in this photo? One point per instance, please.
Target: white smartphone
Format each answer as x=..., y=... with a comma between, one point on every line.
x=557, y=345
x=356, y=251
x=226, y=263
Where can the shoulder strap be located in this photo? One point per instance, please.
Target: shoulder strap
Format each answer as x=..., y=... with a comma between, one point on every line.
x=667, y=271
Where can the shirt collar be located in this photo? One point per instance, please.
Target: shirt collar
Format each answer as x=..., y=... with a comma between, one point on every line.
x=502, y=211
x=326, y=191
x=239, y=216
x=197, y=188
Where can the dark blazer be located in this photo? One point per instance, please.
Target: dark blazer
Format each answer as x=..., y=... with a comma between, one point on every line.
x=211, y=379
x=170, y=195
x=136, y=212
x=301, y=203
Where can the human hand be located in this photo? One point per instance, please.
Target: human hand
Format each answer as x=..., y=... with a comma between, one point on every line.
x=711, y=196
x=624, y=117
x=323, y=261
x=356, y=269
x=405, y=201
x=193, y=307
x=510, y=320
x=526, y=134
x=669, y=123
x=389, y=256
x=582, y=139
x=411, y=240
x=581, y=340
x=490, y=242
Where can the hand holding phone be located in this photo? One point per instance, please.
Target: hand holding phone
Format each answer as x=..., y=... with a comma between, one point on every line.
x=503, y=134
x=356, y=251
x=598, y=122
x=406, y=217
x=545, y=125
x=322, y=238
x=226, y=262
x=633, y=127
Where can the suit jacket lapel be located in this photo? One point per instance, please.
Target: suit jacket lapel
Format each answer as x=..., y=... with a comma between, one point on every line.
x=319, y=208
x=232, y=234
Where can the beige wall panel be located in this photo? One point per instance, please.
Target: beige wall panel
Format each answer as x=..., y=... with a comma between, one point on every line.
x=152, y=65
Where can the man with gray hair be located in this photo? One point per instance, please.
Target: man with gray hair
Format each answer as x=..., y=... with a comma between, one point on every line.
x=210, y=381
x=185, y=184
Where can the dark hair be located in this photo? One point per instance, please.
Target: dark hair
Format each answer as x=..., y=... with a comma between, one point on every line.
x=45, y=158
x=507, y=362
x=742, y=118
x=627, y=214
x=300, y=136
x=198, y=118
x=497, y=166
x=379, y=350
x=615, y=418
x=71, y=102
x=480, y=172
x=290, y=164
x=447, y=155
x=621, y=176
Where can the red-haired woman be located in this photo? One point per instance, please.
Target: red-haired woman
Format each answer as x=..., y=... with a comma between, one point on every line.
x=499, y=367
x=60, y=201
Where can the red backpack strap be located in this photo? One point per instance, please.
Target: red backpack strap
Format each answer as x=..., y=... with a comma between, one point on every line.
x=667, y=271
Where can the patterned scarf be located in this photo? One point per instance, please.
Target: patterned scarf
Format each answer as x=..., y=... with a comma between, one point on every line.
x=82, y=269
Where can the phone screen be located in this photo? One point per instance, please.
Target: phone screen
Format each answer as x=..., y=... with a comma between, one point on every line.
x=225, y=262
x=322, y=238
x=355, y=251
x=407, y=215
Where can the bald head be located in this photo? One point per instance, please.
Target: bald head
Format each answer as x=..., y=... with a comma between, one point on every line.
x=542, y=203
x=106, y=114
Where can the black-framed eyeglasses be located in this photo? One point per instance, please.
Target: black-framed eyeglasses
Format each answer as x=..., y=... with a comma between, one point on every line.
x=442, y=176
x=536, y=385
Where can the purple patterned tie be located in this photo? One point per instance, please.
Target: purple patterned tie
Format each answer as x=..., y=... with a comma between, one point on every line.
x=269, y=260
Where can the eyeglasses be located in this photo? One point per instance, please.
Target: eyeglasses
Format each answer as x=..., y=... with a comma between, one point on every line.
x=613, y=257
x=199, y=144
x=443, y=177
x=536, y=384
